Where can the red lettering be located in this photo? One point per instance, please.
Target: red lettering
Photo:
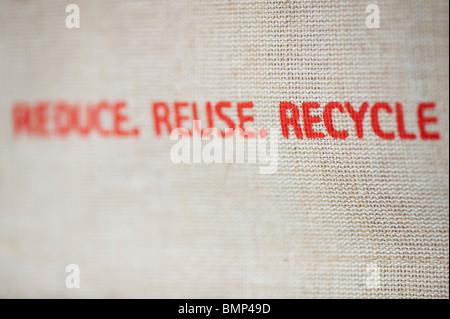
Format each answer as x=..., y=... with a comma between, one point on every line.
x=243, y=119
x=63, y=118
x=328, y=120
x=401, y=124
x=357, y=117
x=96, y=121
x=40, y=119
x=121, y=118
x=21, y=118
x=161, y=118
x=309, y=120
x=286, y=121
x=422, y=120
x=179, y=118
x=91, y=120
x=376, y=123
x=209, y=114
x=223, y=117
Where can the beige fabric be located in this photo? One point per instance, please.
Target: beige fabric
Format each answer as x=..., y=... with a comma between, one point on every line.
x=141, y=226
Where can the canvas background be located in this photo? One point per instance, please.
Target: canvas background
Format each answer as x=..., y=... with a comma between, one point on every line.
x=140, y=226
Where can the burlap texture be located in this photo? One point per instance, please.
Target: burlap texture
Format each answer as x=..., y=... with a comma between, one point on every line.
x=140, y=226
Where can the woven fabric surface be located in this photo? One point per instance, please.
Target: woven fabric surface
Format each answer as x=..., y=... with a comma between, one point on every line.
x=139, y=225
